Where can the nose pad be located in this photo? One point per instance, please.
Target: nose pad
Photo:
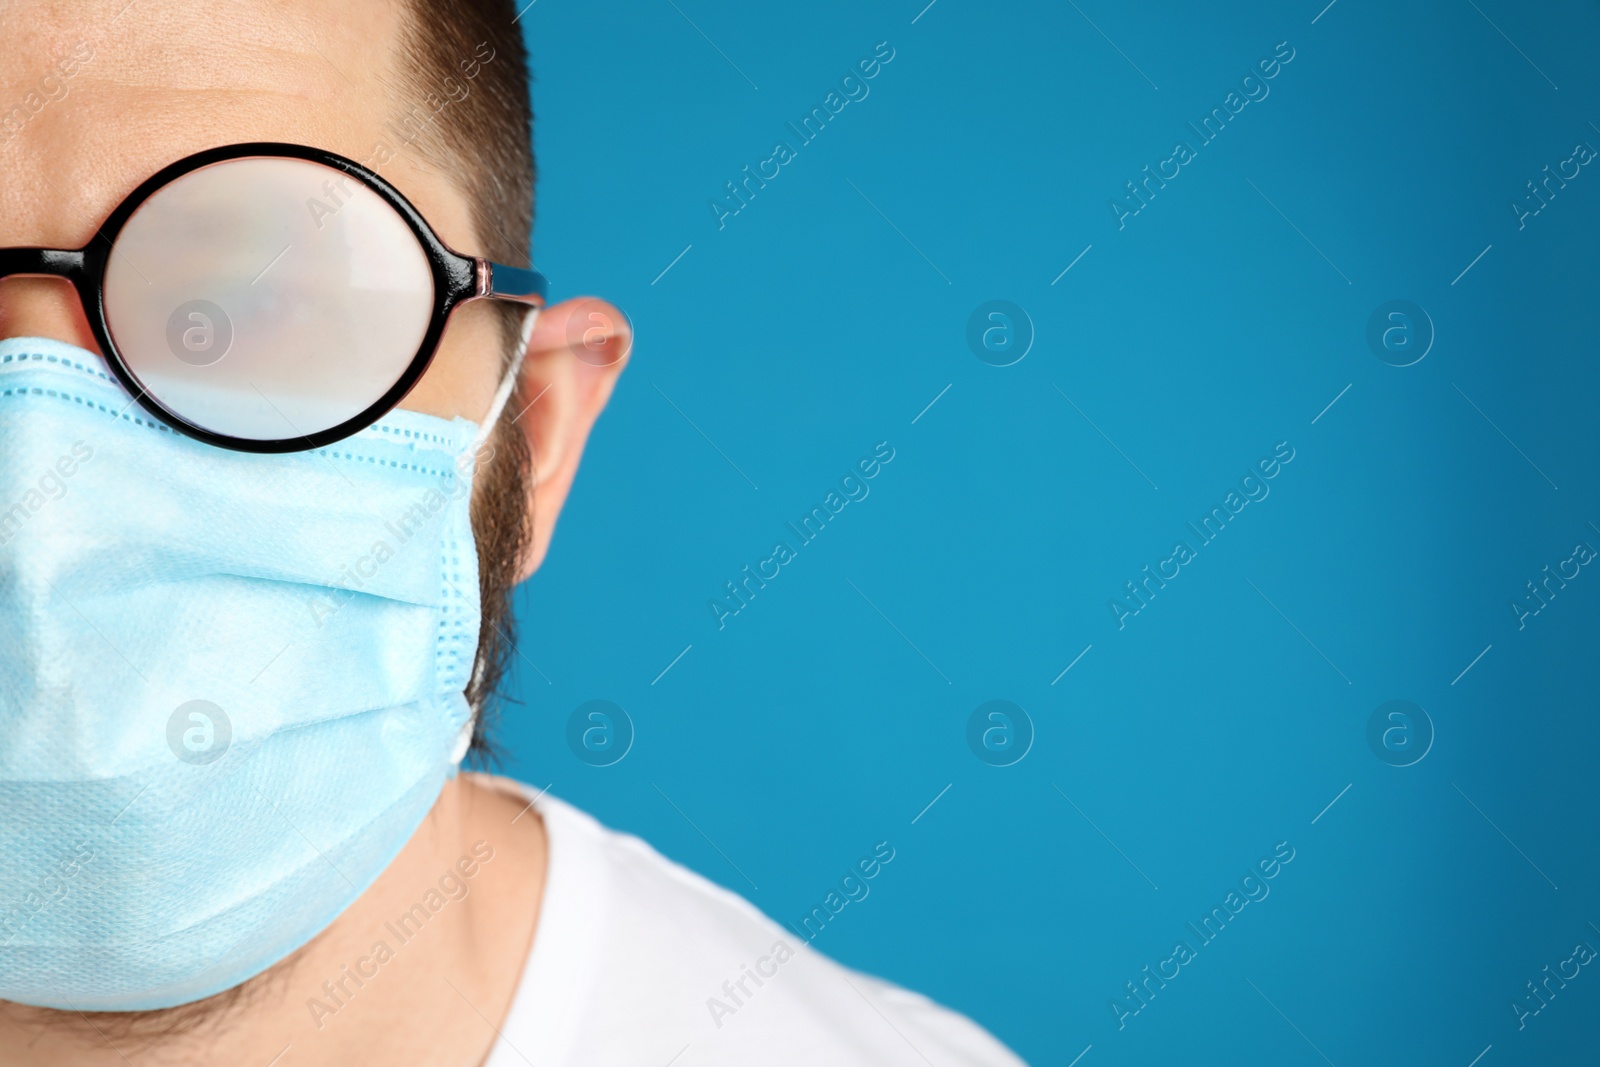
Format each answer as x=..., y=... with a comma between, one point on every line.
x=44, y=307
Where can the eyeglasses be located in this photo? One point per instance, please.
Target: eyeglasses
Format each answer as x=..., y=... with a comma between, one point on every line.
x=270, y=297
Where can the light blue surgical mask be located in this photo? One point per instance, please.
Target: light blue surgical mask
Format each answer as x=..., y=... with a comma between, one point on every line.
x=231, y=685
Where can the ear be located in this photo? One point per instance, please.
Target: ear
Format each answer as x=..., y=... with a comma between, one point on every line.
x=575, y=354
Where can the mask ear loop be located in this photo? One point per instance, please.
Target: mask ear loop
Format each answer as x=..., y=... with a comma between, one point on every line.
x=497, y=407
x=508, y=383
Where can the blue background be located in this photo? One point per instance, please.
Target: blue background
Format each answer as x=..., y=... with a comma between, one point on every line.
x=1220, y=320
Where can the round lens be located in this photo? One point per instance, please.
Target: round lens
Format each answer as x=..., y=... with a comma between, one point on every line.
x=267, y=298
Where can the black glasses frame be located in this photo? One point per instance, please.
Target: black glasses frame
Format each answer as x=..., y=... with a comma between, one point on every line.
x=457, y=279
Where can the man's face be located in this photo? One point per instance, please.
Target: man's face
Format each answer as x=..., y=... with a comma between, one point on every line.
x=97, y=95
x=113, y=91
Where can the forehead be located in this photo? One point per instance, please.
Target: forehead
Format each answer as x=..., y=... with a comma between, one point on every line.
x=96, y=96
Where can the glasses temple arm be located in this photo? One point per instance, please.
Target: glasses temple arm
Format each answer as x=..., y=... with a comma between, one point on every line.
x=496, y=281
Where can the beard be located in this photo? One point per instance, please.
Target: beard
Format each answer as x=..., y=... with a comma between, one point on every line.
x=502, y=525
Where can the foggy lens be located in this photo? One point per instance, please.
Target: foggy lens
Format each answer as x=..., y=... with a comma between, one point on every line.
x=267, y=298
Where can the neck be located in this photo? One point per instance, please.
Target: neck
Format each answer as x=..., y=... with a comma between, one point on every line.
x=421, y=968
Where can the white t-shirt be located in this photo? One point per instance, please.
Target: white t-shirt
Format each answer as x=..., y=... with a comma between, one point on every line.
x=638, y=961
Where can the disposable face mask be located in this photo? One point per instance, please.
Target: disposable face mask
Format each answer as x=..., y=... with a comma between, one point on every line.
x=231, y=685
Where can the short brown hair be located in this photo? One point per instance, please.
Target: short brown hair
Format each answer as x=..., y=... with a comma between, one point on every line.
x=467, y=110
x=478, y=126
